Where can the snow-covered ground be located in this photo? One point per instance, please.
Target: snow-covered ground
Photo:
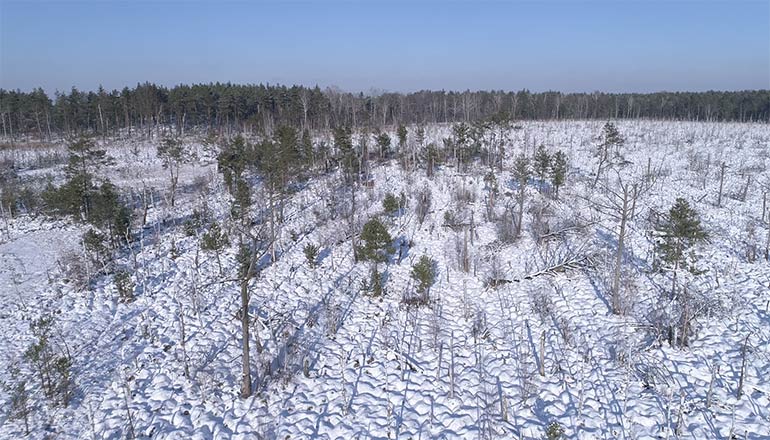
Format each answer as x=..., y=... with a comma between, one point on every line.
x=477, y=362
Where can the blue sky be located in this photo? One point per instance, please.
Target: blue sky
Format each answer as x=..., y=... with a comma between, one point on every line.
x=622, y=45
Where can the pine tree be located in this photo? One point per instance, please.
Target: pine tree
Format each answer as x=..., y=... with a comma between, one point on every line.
x=390, y=204
x=420, y=136
x=377, y=242
x=215, y=240
x=677, y=235
x=461, y=142
x=85, y=160
x=306, y=149
x=232, y=162
x=406, y=157
x=431, y=157
x=173, y=155
x=51, y=364
x=558, y=171
x=124, y=285
x=521, y=174
x=277, y=160
x=110, y=215
x=75, y=196
x=542, y=163
x=19, y=405
x=311, y=254
x=610, y=139
x=383, y=144
x=401, y=133
x=424, y=274
x=346, y=154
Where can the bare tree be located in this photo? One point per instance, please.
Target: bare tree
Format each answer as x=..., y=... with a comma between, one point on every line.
x=173, y=154
x=721, y=184
x=619, y=204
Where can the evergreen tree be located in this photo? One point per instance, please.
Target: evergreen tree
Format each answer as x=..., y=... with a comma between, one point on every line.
x=608, y=149
x=215, y=240
x=558, y=171
x=124, y=284
x=677, y=235
x=401, y=133
x=346, y=154
x=173, y=154
x=110, y=215
x=52, y=366
x=424, y=274
x=19, y=405
x=311, y=254
x=461, y=142
x=307, y=155
x=431, y=157
x=85, y=160
x=521, y=174
x=377, y=242
x=84, y=197
x=383, y=144
x=542, y=164
x=218, y=107
x=420, y=136
x=390, y=204
x=376, y=285
x=232, y=162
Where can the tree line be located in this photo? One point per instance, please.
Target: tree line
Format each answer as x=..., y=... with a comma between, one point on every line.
x=232, y=108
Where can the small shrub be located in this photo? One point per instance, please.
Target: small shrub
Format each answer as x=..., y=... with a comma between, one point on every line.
x=95, y=244
x=423, y=203
x=554, y=431
x=463, y=194
x=424, y=274
x=506, y=227
x=19, y=407
x=311, y=254
x=195, y=222
x=449, y=218
x=75, y=269
x=215, y=240
x=390, y=204
x=52, y=366
x=125, y=286
x=376, y=283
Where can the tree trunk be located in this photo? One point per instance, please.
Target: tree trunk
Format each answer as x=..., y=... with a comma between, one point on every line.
x=619, y=255
x=743, y=366
x=174, y=181
x=767, y=244
x=246, y=364
x=272, y=224
x=520, y=214
x=721, y=184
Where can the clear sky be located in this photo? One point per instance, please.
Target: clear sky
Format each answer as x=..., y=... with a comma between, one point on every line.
x=621, y=45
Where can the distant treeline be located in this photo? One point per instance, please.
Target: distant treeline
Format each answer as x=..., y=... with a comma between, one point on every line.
x=228, y=108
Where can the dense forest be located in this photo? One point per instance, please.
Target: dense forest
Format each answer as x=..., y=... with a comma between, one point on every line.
x=228, y=108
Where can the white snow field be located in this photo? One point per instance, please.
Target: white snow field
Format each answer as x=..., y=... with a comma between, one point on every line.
x=477, y=362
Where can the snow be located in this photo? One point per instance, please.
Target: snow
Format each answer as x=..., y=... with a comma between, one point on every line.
x=379, y=370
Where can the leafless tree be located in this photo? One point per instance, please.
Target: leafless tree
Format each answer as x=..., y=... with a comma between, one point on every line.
x=619, y=203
